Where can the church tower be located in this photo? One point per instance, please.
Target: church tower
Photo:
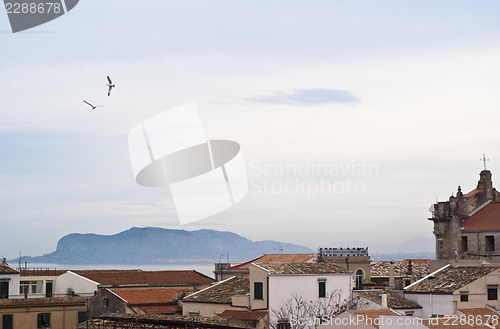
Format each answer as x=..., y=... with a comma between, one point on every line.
x=453, y=240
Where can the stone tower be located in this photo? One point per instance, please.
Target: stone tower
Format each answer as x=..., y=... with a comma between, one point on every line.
x=448, y=216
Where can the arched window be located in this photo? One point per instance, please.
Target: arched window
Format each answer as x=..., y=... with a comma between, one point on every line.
x=359, y=279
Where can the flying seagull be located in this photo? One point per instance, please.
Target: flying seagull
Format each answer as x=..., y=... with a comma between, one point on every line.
x=92, y=106
x=110, y=85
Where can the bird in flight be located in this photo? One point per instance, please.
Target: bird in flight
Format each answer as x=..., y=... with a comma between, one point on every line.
x=92, y=106
x=110, y=85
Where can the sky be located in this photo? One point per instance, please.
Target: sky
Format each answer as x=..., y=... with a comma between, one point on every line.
x=353, y=117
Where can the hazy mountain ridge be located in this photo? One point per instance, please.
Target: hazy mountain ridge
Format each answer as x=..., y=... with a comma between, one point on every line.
x=153, y=245
x=159, y=245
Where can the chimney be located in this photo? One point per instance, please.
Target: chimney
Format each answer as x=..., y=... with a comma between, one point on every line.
x=384, y=299
x=391, y=275
x=410, y=267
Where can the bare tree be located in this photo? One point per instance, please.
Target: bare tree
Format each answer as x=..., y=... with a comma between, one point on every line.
x=298, y=313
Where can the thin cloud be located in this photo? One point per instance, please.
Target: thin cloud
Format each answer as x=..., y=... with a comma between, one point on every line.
x=316, y=96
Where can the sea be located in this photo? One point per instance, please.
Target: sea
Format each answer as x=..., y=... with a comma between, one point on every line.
x=207, y=269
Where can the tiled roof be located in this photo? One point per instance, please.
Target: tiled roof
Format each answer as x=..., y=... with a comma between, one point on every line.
x=161, y=320
x=419, y=268
x=471, y=193
x=243, y=315
x=54, y=301
x=486, y=219
x=153, y=295
x=302, y=268
x=41, y=272
x=482, y=315
x=123, y=277
x=449, y=278
x=277, y=258
x=369, y=316
x=449, y=323
x=161, y=309
x=6, y=269
x=394, y=301
x=221, y=292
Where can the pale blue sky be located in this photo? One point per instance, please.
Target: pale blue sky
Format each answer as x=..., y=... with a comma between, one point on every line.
x=423, y=77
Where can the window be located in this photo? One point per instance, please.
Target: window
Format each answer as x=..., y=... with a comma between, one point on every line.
x=48, y=288
x=463, y=244
x=30, y=287
x=82, y=317
x=43, y=320
x=409, y=313
x=359, y=279
x=4, y=289
x=7, y=321
x=105, y=302
x=283, y=324
x=490, y=243
x=258, y=290
x=322, y=288
x=464, y=297
x=492, y=293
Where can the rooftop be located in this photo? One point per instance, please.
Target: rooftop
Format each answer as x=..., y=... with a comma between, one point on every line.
x=277, y=258
x=302, y=268
x=486, y=219
x=370, y=316
x=150, y=296
x=31, y=302
x=449, y=278
x=6, y=269
x=124, y=277
x=221, y=292
x=394, y=301
x=444, y=323
x=419, y=268
x=161, y=309
x=116, y=320
x=482, y=315
x=243, y=315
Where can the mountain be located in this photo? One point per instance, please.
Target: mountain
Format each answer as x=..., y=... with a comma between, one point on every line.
x=153, y=245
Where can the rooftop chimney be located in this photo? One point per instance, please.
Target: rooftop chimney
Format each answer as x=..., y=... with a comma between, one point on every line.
x=391, y=275
x=384, y=299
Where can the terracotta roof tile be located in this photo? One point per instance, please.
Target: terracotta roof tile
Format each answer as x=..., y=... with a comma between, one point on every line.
x=123, y=277
x=471, y=193
x=153, y=295
x=278, y=258
x=486, y=219
x=394, y=301
x=302, y=268
x=450, y=278
x=436, y=323
x=482, y=315
x=419, y=268
x=23, y=302
x=370, y=315
x=161, y=309
x=6, y=269
x=221, y=292
x=163, y=320
x=243, y=315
